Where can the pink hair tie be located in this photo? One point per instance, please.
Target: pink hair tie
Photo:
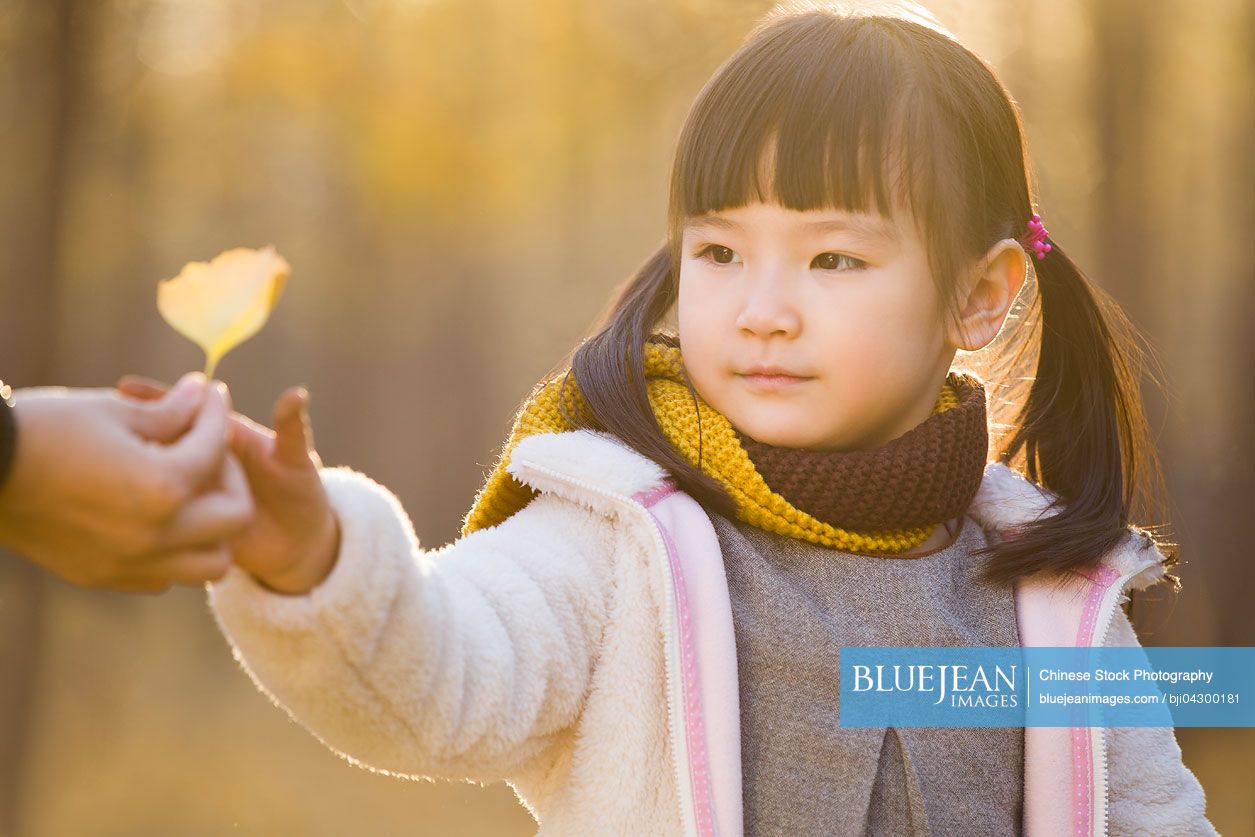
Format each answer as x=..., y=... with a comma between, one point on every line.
x=1036, y=237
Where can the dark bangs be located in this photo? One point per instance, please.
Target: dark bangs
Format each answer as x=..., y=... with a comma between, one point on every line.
x=839, y=113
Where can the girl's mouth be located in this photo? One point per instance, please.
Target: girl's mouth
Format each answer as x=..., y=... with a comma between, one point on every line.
x=773, y=383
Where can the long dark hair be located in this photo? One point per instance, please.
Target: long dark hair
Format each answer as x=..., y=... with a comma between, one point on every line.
x=853, y=111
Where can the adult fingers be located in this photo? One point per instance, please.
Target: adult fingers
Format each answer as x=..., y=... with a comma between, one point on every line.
x=197, y=566
x=151, y=586
x=195, y=459
x=137, y=386
x=190, y=566
x=214, y=516
x=148, y=389
x=168, y=416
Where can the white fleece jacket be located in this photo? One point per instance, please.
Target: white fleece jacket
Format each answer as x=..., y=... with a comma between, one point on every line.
x=533, y=652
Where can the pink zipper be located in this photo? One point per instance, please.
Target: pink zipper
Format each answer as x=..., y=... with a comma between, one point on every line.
x=694, y=727
x=639, y=501
x=1082, y=743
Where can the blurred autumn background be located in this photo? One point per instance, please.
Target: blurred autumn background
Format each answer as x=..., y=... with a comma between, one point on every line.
x=458, y=185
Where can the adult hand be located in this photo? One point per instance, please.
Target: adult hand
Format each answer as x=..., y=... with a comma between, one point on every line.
x=98, y=497
x=294, y=539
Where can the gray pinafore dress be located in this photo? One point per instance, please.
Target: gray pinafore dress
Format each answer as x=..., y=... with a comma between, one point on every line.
x=794, y=604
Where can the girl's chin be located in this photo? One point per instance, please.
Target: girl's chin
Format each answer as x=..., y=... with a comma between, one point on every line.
x=788, y=435
x=775, y=436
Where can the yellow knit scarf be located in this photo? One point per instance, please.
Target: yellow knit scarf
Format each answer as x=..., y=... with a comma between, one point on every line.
x=723, y=458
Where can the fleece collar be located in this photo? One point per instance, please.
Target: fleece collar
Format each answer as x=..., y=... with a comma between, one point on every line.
x=601, y=462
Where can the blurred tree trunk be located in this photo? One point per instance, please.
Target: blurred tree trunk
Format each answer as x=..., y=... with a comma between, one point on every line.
x=1213, y=493
x=1122, y=79
x=44, y=63
x=1122, y=106
x=1125, y=245
x=1233, y=542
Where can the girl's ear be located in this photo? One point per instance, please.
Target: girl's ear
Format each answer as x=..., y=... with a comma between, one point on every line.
x=987, y=294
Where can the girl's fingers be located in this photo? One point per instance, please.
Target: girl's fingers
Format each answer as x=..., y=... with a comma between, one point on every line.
x=252, y=444
x=293, y=435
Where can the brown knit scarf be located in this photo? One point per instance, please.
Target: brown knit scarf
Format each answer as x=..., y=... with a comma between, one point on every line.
x=926, y=475
x=881, y=501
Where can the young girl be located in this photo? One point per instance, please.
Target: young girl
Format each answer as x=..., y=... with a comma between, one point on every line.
x=639, y=626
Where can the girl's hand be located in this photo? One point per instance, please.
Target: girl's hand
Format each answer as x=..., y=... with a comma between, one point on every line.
x=293, y=541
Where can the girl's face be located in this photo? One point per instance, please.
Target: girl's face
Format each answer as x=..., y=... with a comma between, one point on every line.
x=844, y=301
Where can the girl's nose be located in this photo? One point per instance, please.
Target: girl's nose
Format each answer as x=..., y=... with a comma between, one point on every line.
x=769, y=308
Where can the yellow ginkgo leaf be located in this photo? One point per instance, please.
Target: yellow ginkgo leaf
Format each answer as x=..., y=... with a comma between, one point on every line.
x=220, y=304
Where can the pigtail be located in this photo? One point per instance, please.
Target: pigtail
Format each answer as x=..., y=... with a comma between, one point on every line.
x=609, y=370
x=1082, y=432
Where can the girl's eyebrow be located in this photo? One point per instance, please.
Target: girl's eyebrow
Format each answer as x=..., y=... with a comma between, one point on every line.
x=861, y=225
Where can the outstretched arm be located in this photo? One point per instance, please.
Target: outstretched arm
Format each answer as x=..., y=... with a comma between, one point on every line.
x=463, y=662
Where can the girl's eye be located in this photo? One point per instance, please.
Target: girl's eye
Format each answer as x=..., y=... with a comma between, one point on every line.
x=826, y=261
x=715, y=248
x=830, y=261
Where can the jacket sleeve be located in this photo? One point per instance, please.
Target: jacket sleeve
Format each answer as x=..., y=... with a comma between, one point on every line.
x=464, y=662
x=1150, y=791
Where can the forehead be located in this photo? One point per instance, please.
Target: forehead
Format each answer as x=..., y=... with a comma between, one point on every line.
x=865, y=226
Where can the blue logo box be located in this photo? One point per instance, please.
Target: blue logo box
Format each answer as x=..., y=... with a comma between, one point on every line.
x=1040, y=686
